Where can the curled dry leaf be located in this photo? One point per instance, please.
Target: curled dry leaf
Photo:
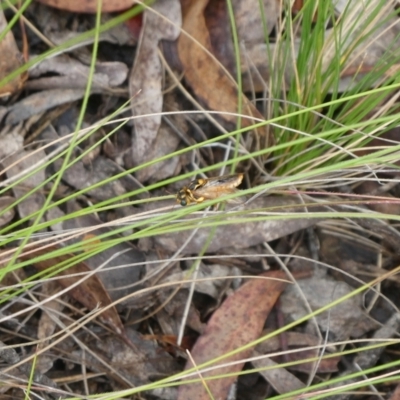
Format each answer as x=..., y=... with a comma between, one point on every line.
x=11, y=62
x=89, y=6
x=162, y=22
x=237, y=322
x=211, y=83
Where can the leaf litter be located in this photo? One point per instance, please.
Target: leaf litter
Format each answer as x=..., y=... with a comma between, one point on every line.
x=121, y=308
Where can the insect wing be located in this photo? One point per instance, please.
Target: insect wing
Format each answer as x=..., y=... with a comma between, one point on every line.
x=220, y=182
x=200, y=189
x=215, y=187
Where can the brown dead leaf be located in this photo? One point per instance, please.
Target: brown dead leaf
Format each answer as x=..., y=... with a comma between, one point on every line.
x=396, y=394
x=160, y=23
x=236, y=323
x=211, y=83
x=247, y=13
x=11, y=62
x=89, y=6
x=255, y=76
x=89, y=292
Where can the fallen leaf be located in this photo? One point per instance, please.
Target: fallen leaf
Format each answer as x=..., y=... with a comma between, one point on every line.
x=237, y=322
x=209, y=286
x=11, y=62
x=69, y=73
x=367, y=359
x=89, y=292
x=160, y=23
x=296, y=340
x=80, y=176
x=24, y=369
x=111, y=355
x=165, y=142
x=170, y=317
x=255, y=68
x=38, y=102
x=396, y=394
x=122, y=262
x=279, y=378
x=211, y=83
x=243, y=235
x=347, y=319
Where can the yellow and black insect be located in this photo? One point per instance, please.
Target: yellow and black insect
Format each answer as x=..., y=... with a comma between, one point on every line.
x=208, y=189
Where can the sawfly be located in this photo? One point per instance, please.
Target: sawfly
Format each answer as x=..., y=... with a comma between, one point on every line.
x=201, y=189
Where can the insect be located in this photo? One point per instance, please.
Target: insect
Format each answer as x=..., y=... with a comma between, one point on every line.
x=208, y=189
